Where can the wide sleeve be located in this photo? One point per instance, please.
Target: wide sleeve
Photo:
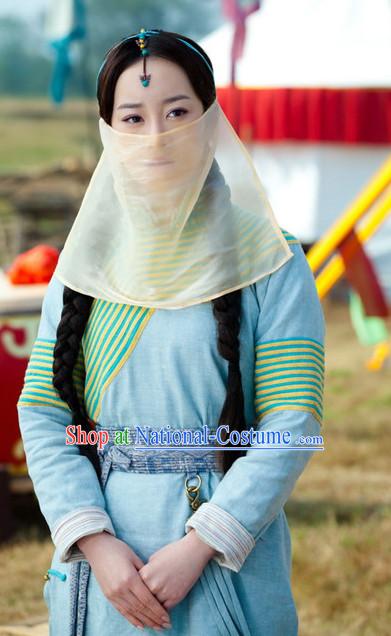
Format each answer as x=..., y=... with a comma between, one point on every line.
x=65, y=482
x=288, y=396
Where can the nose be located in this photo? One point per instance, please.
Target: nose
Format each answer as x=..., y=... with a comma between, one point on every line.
x=156, y=127
x=155, y=141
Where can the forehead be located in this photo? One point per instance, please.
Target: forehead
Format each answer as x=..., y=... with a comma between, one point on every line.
x=167, y=78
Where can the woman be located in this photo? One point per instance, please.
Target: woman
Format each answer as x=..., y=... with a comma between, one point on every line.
x=178, y=303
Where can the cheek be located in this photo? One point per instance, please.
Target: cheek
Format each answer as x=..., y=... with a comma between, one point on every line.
x=120, y=126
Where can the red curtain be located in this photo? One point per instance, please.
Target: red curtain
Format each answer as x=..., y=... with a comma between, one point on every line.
x=349, y=116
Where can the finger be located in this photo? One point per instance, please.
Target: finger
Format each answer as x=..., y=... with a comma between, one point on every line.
x=143, y=606
x=137, y=562
x=124, y=611
x=149, y=601
x=168, y=605
x=133, y=606
x=151, y=623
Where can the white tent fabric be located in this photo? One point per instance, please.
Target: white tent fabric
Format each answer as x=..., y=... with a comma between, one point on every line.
x=309, y=44
x=309, y=186
x=304, y=43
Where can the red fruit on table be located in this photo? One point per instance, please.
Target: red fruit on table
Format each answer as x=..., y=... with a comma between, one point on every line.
x=33, y=266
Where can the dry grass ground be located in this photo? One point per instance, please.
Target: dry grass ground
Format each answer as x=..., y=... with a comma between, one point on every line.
x=35, y=135
x=339, y=512
x=23, y=562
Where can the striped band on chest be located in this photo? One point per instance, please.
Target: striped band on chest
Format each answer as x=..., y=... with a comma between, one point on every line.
x=111, y=335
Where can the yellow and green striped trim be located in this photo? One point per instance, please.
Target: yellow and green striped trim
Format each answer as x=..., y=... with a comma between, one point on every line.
x=289, y=374
x=38, y=389
x=111, y=335
x=290, y=238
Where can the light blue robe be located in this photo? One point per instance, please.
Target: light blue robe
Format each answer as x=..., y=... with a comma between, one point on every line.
x=160, y=368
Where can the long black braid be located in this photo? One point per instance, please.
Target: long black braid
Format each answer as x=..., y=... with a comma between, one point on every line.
x=227, y=311
x=70, y=329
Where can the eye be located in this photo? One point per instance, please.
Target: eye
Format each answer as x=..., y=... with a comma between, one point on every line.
x=131, y=117
x=178, y=110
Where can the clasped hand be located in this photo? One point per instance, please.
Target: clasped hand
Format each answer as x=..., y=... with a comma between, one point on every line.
x=143, y=592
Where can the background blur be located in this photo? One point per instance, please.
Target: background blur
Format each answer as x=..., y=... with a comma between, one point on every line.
x=307, y=86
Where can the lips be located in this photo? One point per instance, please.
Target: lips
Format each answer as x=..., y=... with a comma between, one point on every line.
x=156, y=162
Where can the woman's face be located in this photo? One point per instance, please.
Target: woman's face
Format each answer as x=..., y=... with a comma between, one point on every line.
x=169, y=100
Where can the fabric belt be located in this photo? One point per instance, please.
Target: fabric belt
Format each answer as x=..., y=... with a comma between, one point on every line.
x=154, y=459
x=216, y=581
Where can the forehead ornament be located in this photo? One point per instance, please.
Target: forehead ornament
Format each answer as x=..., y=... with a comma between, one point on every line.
x=142, y=43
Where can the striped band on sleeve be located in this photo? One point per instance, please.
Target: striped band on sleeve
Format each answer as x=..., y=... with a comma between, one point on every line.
x=77, y=524
x=289, y=374
x=224, y=533
x=38, y=389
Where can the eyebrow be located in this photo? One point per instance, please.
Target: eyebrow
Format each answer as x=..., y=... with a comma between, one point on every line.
x=168, y=100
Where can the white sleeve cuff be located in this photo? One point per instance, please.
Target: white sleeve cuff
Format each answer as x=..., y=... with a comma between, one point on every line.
x=77, y=524
x=224, y=533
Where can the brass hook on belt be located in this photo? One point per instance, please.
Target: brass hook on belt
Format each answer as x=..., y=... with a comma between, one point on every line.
x=193, y=493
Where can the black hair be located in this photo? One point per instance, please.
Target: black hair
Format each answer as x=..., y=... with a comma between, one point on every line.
x=226, y=308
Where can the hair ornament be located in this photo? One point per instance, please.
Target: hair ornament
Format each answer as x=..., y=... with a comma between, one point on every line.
x=143, y=45
x=140, y=41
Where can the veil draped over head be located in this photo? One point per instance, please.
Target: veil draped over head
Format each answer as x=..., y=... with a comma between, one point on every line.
x=172, y=219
